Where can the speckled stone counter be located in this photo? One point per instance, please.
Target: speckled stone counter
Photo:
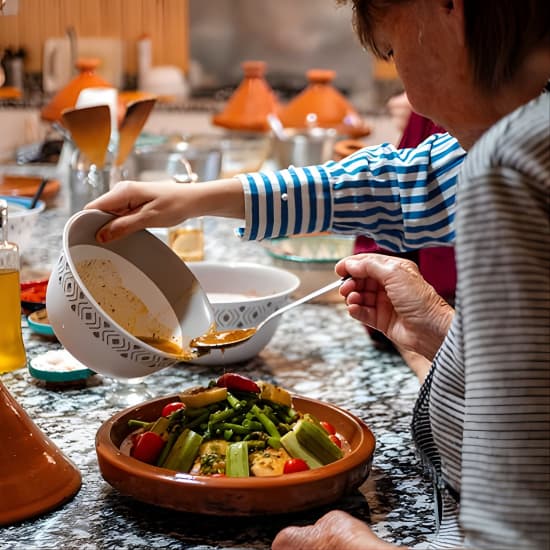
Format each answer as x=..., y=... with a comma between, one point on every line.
x=317, y=351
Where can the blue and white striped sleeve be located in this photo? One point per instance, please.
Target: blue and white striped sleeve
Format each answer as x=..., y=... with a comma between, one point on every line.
x=404, y=199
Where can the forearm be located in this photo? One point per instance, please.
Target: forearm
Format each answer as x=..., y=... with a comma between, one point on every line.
x=224, y=198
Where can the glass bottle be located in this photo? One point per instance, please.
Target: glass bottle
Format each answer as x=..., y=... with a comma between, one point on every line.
x=187, y=238
x=12, y=349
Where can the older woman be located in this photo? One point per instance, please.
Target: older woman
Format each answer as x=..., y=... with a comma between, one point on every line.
x=477, y=68
x=482, y=420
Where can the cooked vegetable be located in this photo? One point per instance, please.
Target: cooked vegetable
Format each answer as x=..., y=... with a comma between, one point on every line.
x=147, y=447
x=202, y=397
x=236, y=460
x=296, y=450
x=329, y=428
x=237, y=382
x=270, y=392
x=169, y=408
x=268, y=462
x=316, y=440
x=184, y=451
x=236, y=430
x=293, y=465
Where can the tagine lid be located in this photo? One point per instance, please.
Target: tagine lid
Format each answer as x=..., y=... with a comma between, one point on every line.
x=67, y=97
x=321, y=104
x=251, y=102
x=37, y=477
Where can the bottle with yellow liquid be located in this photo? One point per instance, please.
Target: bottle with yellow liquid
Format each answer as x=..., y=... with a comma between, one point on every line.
x=12, y=349
x=187, y=239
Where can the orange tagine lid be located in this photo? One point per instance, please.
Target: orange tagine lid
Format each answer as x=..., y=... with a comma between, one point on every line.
x=36, y=475
x=252, y=101
x=66, y=97
x=321, y=104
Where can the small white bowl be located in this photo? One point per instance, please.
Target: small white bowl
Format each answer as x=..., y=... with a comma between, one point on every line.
x=157, y=294
x=242, y=295
x=22, y=220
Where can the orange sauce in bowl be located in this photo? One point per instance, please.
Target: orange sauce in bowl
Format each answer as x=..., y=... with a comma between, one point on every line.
x=223, y=338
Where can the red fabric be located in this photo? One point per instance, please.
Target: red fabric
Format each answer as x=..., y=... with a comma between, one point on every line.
x=437, y=264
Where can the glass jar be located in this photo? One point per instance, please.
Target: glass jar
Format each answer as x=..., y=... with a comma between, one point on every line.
x=87, y=181
x=12, y=349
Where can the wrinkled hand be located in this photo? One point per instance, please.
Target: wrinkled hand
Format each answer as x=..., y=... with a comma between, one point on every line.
x=389, y=294
x=334, y=531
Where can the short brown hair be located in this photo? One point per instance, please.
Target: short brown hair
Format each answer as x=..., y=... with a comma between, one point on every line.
x=500, y=34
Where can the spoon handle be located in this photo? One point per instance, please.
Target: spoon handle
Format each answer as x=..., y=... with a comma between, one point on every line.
x=303, y=299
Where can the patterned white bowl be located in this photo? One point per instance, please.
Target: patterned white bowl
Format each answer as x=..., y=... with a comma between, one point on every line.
x=158, y=293
x=22, y=220
x=242, y=295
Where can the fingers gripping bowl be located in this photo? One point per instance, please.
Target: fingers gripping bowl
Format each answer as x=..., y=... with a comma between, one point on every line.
x=124, y=309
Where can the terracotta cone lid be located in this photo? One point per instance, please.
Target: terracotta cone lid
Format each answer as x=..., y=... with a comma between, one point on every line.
x=66, y=97
x=252, y=101
x=36, y=476
x=321, y=104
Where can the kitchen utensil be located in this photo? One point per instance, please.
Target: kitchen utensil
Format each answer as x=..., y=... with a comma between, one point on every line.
x=312, y=258
x=243, y=294
x=90, y=128
x=127, y=308
x=277, y=126
x=38, y=193
x=133, y=122
x=67, y=97
x=226, y=338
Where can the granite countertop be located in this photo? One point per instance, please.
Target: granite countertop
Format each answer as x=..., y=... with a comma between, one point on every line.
x=317, y=351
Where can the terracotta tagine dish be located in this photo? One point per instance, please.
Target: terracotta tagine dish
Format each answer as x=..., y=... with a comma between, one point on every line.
x=36, y=476
x=252, y=101
x=321, y=105
x=66, y=97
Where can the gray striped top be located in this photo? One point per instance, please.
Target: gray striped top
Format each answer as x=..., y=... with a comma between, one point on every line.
x=483, y=416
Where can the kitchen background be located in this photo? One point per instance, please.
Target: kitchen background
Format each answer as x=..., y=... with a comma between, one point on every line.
x=203, y=42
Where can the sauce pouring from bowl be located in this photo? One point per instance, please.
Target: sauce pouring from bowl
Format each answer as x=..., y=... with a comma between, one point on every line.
x=227, y=338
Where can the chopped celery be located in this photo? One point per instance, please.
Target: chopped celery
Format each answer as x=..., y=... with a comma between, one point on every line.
x=295, y=450
x=315, y=439
x=236, y=460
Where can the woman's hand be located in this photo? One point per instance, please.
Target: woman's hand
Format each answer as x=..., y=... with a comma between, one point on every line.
x=138, y=205
x=334, y=531
x=389, y=294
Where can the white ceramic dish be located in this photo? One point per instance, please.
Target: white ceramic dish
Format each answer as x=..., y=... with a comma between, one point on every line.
x=21, y=220
x=242, y=295
x=159, y=296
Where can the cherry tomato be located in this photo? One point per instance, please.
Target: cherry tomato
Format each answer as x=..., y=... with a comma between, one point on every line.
x=169, y=408
x=148, y=447
x=293, y=465
x=237, y=382
x=329, y=428
x=336, y=440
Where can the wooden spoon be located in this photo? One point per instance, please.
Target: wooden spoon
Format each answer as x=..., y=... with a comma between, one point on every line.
x=90, y=129
x=133, y=122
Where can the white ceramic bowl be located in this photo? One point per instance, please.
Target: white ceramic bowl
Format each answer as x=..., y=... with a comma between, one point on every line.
x=22, y=220
x=144, y=289
x=312, y=258
x=242, y=295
